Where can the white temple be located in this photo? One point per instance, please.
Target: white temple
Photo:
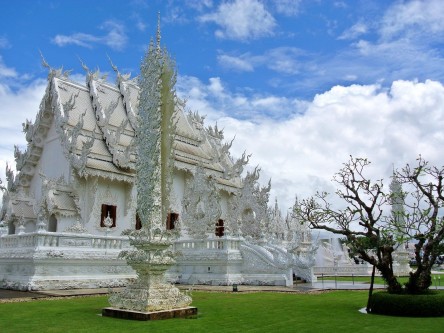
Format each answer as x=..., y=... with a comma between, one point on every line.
x=74, y=194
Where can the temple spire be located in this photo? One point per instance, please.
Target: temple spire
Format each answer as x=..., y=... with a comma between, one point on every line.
x=158, y=36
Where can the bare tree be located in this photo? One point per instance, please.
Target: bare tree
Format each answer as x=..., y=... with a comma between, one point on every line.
x=374, y=235
x=361, y=222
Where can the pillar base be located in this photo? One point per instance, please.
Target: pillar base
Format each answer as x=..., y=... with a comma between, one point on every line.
x=188, y=312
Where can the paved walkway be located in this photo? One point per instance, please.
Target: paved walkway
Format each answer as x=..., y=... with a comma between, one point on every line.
x=10, y=294
x=298, y=287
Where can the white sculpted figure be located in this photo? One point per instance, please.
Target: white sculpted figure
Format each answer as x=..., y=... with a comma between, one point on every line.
x=249, y=214
x=201, y=205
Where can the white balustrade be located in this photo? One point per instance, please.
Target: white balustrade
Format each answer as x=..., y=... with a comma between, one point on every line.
x=211, y=244
x=343, y=270
x=34, y=240
x=59, y=240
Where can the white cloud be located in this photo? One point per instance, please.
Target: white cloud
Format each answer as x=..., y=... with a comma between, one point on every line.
x=241, y=20
x=302, y=151
x=368, y=61
x=284, y=60
x=80, y=39
x=176, y=15
x=350, y=77
x=139, y=23
x=216, y=101
x=17, y=106
x=199, y=5
x=5, y=71
x=287, y=7
x=421, y=18
x=403, y=43
x=115, y=38
x=419, y=21
x=236, y=63
x=354, y=31
x=401, y=58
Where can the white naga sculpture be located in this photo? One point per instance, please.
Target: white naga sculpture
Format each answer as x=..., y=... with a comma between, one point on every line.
x=153, y=255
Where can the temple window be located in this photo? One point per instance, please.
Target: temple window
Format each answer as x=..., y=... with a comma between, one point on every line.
x=219, y=232
x=11, y=228
x=108, y=211
x=171, y=221
x=138, y=222
x=52, y=224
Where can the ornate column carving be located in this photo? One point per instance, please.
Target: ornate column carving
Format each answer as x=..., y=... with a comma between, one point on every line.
x=153, y=253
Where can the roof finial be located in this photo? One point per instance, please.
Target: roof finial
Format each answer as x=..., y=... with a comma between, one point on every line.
x=114, y=67
x=44, y=63
x=85, y=68
x=158, y=32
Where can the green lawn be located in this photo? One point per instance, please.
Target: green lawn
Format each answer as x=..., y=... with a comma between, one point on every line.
x=218, y=312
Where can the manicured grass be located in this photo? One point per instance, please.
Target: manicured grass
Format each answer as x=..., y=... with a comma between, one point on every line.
x=218, y=312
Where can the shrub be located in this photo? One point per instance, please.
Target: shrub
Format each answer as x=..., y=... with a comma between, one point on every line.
x=430, y=304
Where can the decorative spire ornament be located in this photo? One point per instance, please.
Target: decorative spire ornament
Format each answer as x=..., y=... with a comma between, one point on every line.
x=153, y=255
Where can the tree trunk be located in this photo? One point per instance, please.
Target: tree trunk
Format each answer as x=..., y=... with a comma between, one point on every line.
x=386, y=269
x=393, y=286
x=419, y=281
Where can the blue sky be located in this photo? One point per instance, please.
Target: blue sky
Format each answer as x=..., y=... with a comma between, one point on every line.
x=296, y=48
x=302, y=84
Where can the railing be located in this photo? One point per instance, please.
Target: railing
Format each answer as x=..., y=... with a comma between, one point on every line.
x=343, y=270
x=69, y=240
x=65, y=240
x=208, y=244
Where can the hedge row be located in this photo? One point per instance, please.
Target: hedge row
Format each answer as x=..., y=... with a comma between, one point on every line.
x=430, y=304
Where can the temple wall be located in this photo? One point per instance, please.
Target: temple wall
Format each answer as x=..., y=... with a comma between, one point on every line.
x=52, y=163
x=109, y=193
x=41, y=261
x=64, y=222
x=224, y=196
x=29, y=227
x=178, y=190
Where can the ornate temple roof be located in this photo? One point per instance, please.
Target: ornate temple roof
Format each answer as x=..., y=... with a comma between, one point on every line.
x=60, y=197
x=95, y=122
x=22, y=207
